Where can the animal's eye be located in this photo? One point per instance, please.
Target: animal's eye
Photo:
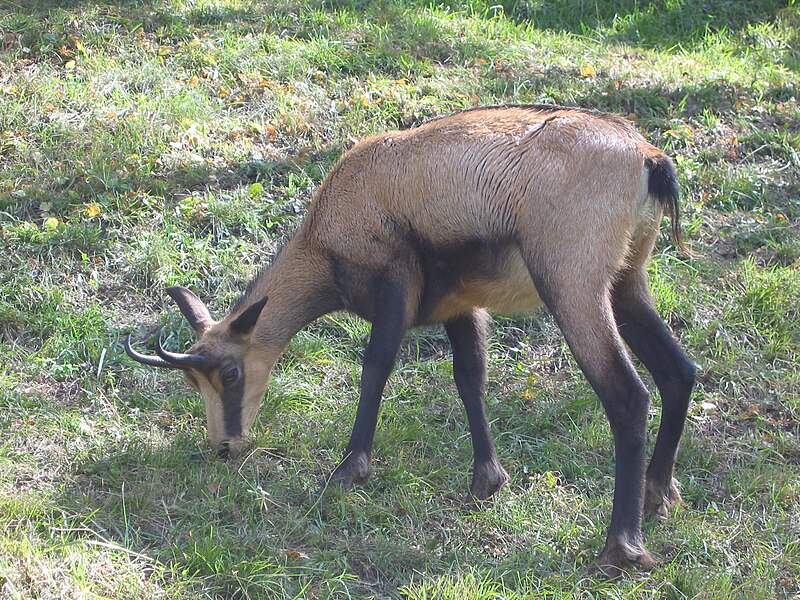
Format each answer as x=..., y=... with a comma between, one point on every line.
x=191, y=380
x=230, y=376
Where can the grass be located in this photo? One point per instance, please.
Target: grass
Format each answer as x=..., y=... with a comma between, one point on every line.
x=158, y=142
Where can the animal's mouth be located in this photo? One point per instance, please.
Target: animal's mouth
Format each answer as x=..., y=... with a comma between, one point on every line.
x=230, y=448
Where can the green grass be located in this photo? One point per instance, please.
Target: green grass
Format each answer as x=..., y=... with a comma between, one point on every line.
x=157, y=142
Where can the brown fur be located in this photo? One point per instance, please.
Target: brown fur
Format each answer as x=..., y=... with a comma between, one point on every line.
x=502, y=209
x=566, y=182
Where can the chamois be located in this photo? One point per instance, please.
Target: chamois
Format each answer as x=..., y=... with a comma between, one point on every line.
x=502, y=208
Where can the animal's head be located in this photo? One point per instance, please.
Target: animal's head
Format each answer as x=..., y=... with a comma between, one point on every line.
x=223, y=365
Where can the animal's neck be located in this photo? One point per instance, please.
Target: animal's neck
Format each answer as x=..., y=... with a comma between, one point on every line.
x=299, y=287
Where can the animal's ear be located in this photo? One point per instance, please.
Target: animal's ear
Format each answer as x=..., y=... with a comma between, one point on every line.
x=244, y=323
x=192, y=308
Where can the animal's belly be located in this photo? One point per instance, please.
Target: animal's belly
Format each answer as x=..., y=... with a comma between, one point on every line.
x=509, y=290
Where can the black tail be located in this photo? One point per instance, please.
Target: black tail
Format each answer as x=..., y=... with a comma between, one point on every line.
x=663, y=186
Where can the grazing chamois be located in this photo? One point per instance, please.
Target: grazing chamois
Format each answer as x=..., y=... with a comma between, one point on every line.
x=503, y=208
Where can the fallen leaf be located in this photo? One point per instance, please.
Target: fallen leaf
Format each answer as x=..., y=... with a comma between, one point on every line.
x=301, y=156
x=683, y=132
x=751, y=412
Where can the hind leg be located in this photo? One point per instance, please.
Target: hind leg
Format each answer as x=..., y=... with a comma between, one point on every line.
x=674, y=374
x=582, y=309
x=468, y=339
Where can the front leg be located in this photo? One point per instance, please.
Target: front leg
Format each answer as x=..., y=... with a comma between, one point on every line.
x=389, y=323
x=467, y=336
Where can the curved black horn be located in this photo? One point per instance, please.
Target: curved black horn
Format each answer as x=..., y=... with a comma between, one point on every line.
x=180, y=360
x=151, y=361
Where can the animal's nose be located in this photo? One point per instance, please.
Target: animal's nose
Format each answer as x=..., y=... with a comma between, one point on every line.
x=230, y=448
x=224, y=449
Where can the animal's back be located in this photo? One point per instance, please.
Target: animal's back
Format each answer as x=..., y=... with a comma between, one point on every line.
x=481, y=200
x=488, y=174
x=481, y=171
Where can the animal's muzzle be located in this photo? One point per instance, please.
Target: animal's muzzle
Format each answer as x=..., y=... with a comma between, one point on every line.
x=230, y=448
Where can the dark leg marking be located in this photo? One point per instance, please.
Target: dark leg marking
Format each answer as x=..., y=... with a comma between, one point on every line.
x=468, y=339
x=674, y=374
x=389, y=325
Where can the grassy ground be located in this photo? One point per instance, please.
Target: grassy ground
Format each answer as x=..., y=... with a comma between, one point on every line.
x=157, y=142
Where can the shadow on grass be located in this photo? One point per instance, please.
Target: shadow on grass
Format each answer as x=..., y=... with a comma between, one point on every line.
x=189, y=513
x=650, y=23
x=160, y=496
x=184, y=512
